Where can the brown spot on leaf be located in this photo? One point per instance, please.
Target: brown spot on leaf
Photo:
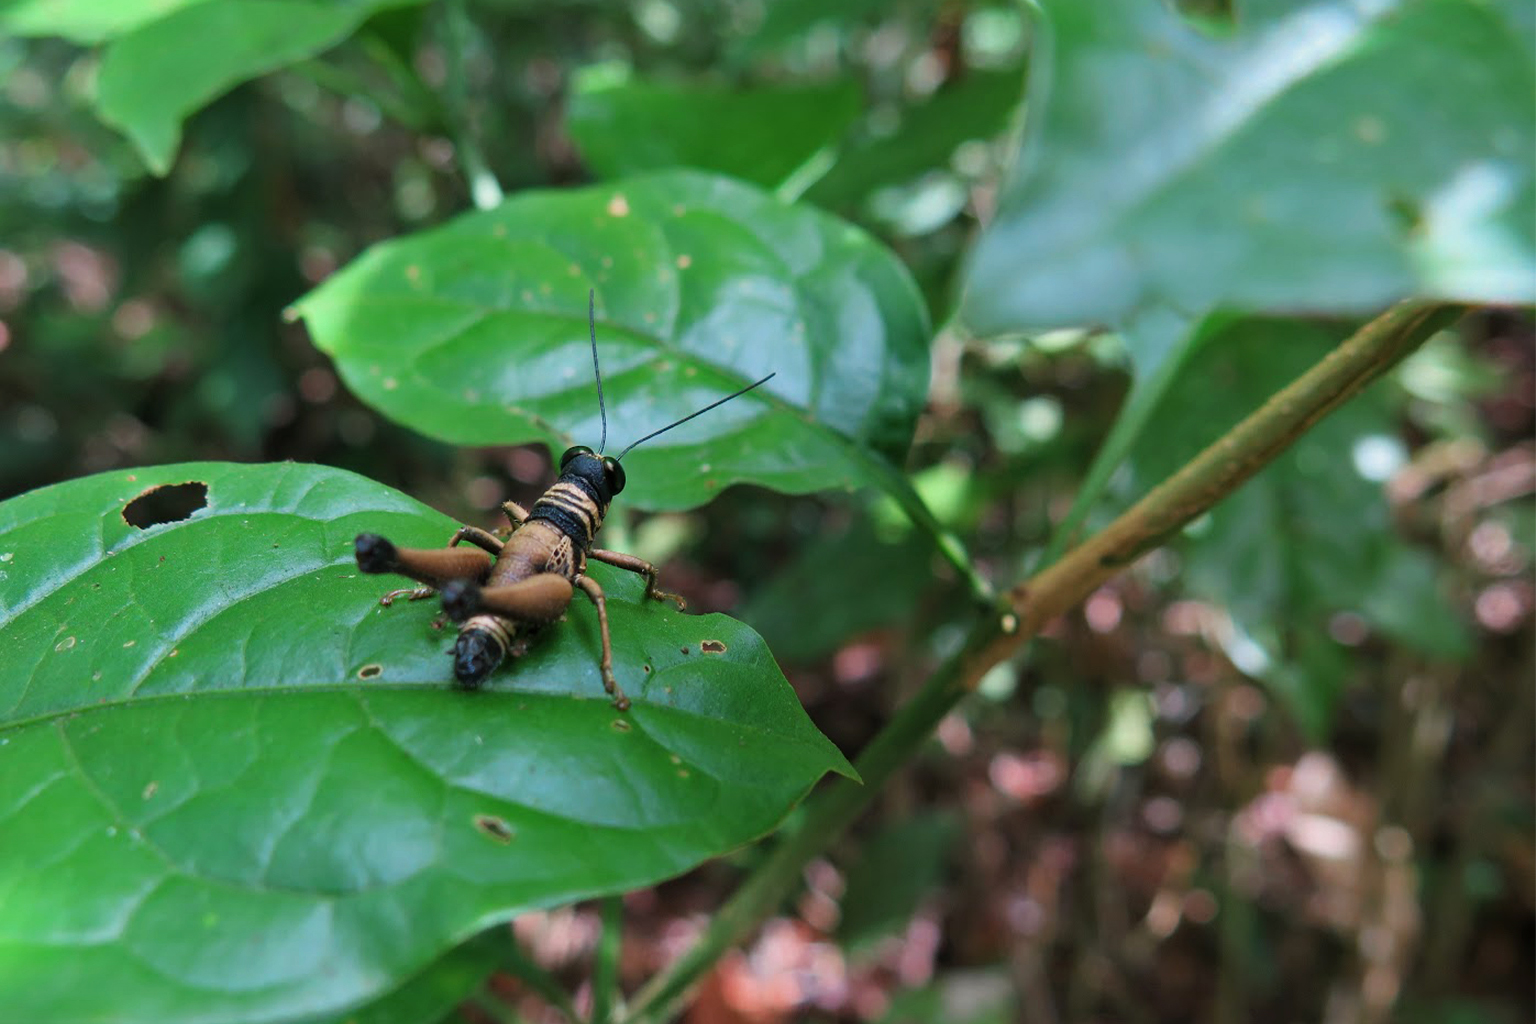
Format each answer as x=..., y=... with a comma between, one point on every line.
x=166, y=503
x=620, y=725
x=498, y=829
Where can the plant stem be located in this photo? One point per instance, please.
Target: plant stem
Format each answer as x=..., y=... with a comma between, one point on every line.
x=605, y=969
x=1204, y=481
x=1146, y=394
x=484, y=189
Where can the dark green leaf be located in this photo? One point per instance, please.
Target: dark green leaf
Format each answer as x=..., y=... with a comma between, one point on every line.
x=162, y=69
x=762, y=135
x=83, y=21
x=896, y=868
x=434, y=993
x=208, y=816
x=476, y=333
x=1283, y=167
x=1307, y=537
x=805, y=611
x=976, y=106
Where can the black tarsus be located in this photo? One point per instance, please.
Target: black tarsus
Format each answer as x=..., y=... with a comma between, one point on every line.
x=461, y=599
x=375, y=554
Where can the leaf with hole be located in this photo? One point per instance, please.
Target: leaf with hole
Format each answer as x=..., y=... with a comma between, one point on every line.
x=234, y=788
x=476, y=333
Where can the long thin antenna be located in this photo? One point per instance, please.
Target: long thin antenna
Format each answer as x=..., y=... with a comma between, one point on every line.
x=685, y=419
x=602, y=410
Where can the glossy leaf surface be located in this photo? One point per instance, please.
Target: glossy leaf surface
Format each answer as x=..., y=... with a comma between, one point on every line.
x=476, y=333
x=759, y=135
x=234, y=788
x=159, y=68
x=1282, y=163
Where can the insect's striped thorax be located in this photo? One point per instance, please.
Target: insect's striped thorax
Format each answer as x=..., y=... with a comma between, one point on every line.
x=573, y=508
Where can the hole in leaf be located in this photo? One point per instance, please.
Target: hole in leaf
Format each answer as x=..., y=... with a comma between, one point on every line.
x=166, y=503
x=370, y=671
x=498, y=829
x=712, y=646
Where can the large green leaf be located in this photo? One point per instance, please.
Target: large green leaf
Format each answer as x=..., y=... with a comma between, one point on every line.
x=167, y=60
x=234, y=788
x=1283, y=166
x=83, y=21
x=1306, y=538
x=476, y=333
x=761, y=135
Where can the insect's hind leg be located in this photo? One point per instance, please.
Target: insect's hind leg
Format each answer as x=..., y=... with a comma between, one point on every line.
x=590, y=587
x=432, y=567
x=640, y=566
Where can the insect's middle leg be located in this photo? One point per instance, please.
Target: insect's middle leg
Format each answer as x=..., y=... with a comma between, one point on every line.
x=620, y=560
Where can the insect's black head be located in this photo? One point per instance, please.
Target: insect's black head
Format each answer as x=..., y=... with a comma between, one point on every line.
x=600, y=472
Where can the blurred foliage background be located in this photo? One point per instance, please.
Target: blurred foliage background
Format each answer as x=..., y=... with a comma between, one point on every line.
x=1182, y=807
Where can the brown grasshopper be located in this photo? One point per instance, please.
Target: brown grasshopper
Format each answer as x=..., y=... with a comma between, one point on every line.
x=514, y=585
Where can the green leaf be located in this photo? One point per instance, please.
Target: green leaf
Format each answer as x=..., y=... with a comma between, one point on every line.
x=160, y=71
x=476, y=333
x=234, y=788
x=1285, y=166
x=628, y=128
x=83, y=21
x=974, y=106
x=806, y=612
x=1309, y=536
x=434, y=993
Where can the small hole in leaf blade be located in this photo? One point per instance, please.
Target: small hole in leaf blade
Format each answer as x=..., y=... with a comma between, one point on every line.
x=166, y=503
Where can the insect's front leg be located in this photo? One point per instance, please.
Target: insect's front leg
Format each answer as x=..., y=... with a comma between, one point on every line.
x=515, y=513
x=620, y=560
x=482, y=539
x=430, y=566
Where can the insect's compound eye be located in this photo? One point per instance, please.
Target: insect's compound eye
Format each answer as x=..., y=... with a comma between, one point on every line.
x=571, y=453
x=615, y=474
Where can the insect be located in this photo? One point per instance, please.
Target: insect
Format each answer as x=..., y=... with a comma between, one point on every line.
x=505, y=588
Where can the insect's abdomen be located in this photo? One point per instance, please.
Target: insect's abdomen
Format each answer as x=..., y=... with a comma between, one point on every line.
x=482, y=644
